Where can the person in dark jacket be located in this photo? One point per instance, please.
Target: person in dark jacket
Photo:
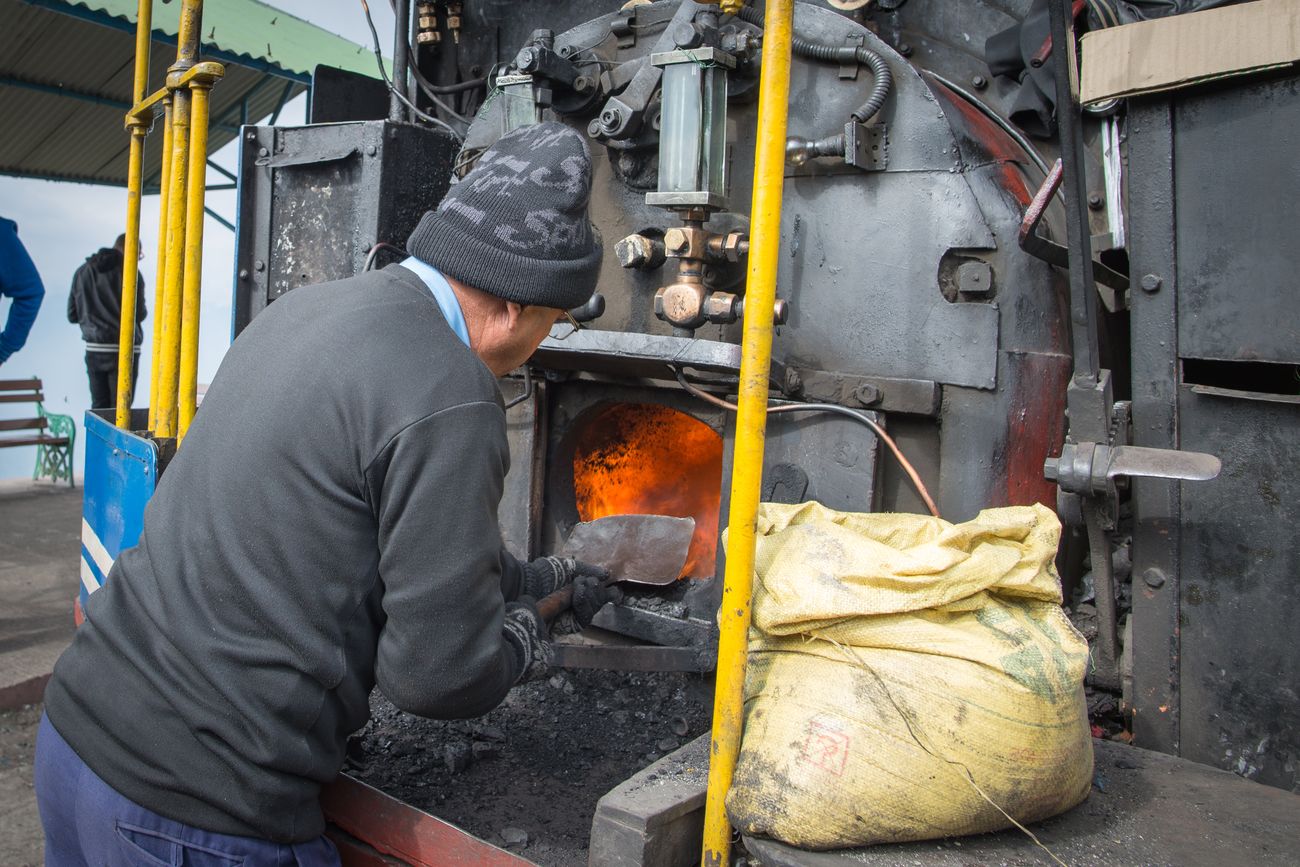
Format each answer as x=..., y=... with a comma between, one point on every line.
x=21, y=284
x=329, y=525
x=95, y=303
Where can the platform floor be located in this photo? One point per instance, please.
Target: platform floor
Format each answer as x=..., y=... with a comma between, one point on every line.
x=40, y=547
x=40, y=552
x=1145, y=808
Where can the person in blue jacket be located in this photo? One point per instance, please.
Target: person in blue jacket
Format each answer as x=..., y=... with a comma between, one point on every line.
x=20, y=283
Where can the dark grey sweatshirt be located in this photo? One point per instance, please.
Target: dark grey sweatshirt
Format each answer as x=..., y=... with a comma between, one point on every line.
x=329, y=523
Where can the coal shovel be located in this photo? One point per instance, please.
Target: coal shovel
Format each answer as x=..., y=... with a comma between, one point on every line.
x=643, y=549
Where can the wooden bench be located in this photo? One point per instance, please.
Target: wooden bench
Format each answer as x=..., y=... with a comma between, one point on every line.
x=54, y=434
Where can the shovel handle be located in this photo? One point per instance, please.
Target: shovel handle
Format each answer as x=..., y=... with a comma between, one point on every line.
x=552, y=606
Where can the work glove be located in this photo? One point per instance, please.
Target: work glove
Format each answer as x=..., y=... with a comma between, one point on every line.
x=526, y=632
x=545, y=575
x=590, y=594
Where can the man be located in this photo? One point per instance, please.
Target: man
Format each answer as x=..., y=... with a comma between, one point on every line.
x=329, y=524
x=95, y=303
x=20, y=283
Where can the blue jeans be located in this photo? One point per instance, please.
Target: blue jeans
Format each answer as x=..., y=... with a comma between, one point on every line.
x=88, y=823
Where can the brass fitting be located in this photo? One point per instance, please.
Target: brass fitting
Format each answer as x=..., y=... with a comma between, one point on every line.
x=453, y=21
x=427, y=24
x=731, y=247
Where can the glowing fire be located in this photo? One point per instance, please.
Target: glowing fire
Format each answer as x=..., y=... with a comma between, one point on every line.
x=644, y=459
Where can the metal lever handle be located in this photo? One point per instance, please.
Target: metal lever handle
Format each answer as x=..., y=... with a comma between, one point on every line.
x=1162, y=464
x=1088, y=469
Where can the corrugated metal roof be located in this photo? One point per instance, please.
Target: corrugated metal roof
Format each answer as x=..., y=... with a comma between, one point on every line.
x=66, y=72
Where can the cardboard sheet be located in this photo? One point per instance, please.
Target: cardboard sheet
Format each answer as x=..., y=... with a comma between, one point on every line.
x=1167, y=53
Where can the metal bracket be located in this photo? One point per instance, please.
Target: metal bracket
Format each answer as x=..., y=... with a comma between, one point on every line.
x=849, y=68
x=1049, y=251
x=866, y=147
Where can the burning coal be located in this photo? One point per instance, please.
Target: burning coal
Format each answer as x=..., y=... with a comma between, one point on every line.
x=647, y=459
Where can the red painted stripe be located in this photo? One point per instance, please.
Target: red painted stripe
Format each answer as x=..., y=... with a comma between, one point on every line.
x=400, y=830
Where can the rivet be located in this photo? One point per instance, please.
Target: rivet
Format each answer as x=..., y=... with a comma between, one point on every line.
x=1151, y=283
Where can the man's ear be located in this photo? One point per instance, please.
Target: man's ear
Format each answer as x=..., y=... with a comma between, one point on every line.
x=514, y=312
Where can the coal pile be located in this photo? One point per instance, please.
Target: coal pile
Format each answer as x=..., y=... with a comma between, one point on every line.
x=528, y=775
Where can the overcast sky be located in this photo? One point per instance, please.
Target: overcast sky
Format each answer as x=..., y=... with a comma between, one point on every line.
x=63, y=223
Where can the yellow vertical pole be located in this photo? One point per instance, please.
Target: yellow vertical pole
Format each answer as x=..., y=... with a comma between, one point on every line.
x=169, y=351
x=160, y=270
x=131, y=253
x=187, y=50
x=197, y=187
x=751, y=425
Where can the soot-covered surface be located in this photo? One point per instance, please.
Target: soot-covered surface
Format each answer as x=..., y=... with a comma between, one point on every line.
x=539, y=762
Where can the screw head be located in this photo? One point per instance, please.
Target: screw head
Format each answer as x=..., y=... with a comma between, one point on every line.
x=259, y=266
x=243, y=273
x=1151, y=283
x=905, y=49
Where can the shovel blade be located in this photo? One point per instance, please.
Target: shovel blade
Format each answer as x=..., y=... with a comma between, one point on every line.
x=642, y=549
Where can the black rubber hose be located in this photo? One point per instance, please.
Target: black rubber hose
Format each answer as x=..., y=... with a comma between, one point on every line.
x=883, y=79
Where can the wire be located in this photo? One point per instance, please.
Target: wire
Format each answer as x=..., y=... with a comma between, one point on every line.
x=828, y=408
x=374, y=253
x=430, y=91
x=383, y=73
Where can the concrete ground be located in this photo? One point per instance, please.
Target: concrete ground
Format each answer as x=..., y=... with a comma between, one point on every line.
x=40, y=545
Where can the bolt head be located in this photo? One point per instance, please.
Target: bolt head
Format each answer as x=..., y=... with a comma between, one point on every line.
x=979, y=82
x=1151, y=283
x=866, y=394
x=1096, y=201
x=676, y=242
x=1153, y=578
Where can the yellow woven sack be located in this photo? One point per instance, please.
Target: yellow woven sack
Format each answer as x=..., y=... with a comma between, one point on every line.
x=908, y=678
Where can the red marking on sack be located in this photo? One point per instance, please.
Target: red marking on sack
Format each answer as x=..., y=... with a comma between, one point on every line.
x=826, y=748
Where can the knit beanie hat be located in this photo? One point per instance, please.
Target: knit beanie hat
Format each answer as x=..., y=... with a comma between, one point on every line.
x=516, y=226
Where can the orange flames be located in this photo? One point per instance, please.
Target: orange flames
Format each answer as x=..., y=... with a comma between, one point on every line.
x=645, y=459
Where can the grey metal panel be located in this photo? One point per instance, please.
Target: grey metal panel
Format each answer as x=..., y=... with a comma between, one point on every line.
x=1156, y=503
x=835, y=459
x=315, y=199
x=1240, y=601
x=1236, y=178
x=521, y=501
x=885, y=320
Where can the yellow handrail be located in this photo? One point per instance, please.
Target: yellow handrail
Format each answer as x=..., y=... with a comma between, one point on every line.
x=159, y=297
x=184, y=104
x=751, y=425
x=197, y=186
x=131, y=253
